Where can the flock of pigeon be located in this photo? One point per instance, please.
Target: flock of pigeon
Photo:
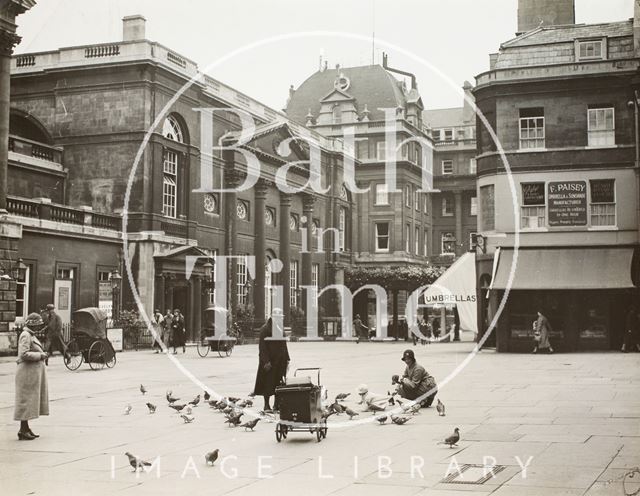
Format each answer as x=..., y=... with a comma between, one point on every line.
x=407, y=407
x=233, y=409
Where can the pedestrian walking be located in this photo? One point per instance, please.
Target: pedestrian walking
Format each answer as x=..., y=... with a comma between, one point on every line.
x=178, y=336
x=631, y=328
x=541, y=331
x=361, y=330
x=54, y=340
x=31, y=395
x=157, y=322
x=273, y=360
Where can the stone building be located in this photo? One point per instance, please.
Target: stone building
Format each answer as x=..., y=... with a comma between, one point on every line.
x=390, y=228
x=76, y=182
x=454, y=202
x=563, y=101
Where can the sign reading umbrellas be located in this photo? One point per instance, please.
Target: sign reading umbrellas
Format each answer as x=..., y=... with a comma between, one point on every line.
x=567, y=203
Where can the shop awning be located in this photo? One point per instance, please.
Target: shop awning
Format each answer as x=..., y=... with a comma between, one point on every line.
x=565, y=268
x=457, y=286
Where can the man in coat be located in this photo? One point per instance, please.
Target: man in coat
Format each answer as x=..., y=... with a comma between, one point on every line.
x=54, y=332
x=542, y=329
x=273, y=359
x=415, y=381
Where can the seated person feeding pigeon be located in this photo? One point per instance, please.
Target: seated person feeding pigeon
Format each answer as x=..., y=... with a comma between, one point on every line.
x=415, y=382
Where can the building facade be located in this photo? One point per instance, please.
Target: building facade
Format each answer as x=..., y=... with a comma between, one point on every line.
x=562, y=210
x=371, y=107
x=454, y=200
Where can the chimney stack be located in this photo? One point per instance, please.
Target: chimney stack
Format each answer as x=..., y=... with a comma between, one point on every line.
x=133, y=28
x=468, y=112
x=545, y=13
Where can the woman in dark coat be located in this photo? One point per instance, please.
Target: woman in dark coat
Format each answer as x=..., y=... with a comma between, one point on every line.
x=32, y=393
x=273, y=364
x=178, y=338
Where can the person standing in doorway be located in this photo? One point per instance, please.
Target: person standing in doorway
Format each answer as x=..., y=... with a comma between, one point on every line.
x=631, y=328
x=54, y=332
x=542, y=329
x=178, y=331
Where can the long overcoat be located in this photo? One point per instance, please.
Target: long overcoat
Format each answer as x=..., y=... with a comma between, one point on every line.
x=32, y=394
x=544, y=328
x=275, y=352
x=178, y=337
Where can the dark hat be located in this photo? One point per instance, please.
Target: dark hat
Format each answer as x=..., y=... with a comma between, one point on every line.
x=50, y=307
x=408, y=354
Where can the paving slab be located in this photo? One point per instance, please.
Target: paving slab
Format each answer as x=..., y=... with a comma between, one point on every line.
x=575, y=416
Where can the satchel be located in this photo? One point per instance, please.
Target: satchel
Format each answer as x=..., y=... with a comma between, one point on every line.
x=537, y=335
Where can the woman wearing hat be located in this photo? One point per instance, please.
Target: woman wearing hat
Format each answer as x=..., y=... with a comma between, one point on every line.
x=32, y=395
x=415, y=382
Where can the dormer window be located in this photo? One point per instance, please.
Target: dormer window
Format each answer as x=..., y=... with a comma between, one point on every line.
x=591, y=49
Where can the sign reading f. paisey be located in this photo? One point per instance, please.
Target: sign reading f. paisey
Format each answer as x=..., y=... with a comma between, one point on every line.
x=568, y=203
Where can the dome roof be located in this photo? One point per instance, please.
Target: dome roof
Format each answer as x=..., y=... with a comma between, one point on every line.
x=369, y=85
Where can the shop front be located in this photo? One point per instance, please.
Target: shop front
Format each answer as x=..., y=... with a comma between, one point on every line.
x=584, y=292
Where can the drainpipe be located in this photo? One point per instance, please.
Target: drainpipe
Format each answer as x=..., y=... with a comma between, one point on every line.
x=636, y=102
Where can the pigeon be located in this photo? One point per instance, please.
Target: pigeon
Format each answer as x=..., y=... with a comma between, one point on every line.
x=399, y=420
x=207, y=396
x=391, y=400
x=177, y=408
x=243, y=403
x=453, y=439
x=170, y=398
x=326, y=413
x=440, y=408
x=213, y=403
x=127, y=409
x=233, y=420
x=372, y=407
x=412, y=409
x=382, y=420
x=195, y=401
x=342, y=396
x=187, y=418
x=337, y=407
x=211, y=457
x=136, y=462
x=351, y=413
x=251, y=424
x=227, y=410
x=142, y=389
x=231, y=399
x=151, y=407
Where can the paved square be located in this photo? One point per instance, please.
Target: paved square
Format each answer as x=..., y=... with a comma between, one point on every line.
x=574, y=418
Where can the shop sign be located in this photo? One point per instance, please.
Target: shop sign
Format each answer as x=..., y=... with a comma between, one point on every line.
x=533, y=194
x=115, y=336
x=567, y=203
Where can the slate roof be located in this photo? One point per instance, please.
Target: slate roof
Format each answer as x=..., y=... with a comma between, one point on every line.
x=439, y=118
x=371, y=85
x=570, y=32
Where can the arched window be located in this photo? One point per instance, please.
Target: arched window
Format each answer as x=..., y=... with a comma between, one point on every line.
x=337, y=114
x=172, y=129
x=342, y=227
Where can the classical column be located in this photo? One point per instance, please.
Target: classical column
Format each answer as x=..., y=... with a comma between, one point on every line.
x=260, y=248
x=285, y=253
x=9, y=9
x=159, y=304
x=459, y=241
x=231, y=181
x=395, y=313
x=196, y=304
x=305, y=279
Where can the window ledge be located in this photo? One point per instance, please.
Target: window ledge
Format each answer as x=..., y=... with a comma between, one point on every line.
x=595, y=147
x=534, y=229
x=603, y=228
x=531, y=150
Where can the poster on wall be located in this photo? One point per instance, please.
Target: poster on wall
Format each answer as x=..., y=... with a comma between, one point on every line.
x=567, y=203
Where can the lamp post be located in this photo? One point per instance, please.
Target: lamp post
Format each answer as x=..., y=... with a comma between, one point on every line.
x=115, y=278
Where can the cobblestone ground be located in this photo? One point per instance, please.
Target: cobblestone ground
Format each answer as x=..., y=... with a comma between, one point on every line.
x=574, y=418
